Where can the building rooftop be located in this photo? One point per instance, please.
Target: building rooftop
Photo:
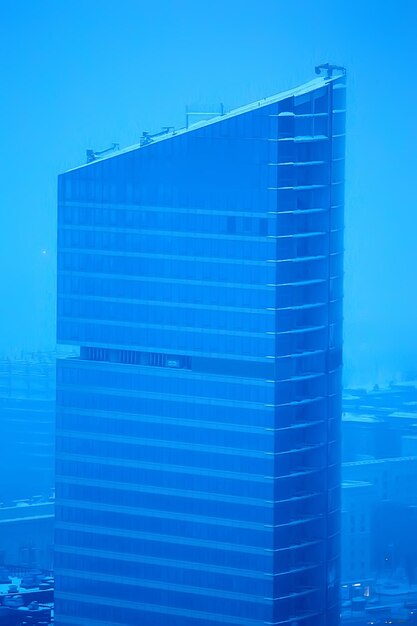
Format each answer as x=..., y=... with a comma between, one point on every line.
x=296, y=91
x=358, y=417
x=399, y=459
x=404, y=414
x=33, y=508
x=355, y=484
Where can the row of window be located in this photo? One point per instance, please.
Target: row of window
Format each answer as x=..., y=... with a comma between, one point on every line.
x=299, y=199
x=109, y=612
x=155, y=242
x=291, y=175
x=180, y=316
x=198, y=455
x=314, y=220
x=151, y=545
x=163, y=220
x=205, y=529
x=196, y=433
x=293, y=126
x=202, y=341
x=130, y=357
x=209, y=366
x=204, y=386
x=190, y=456
x=185, y=407
x=188, y=220
x=204, y=269
x=158, y=290
x=202, y=432
x=306, y=152
x=162, y=381
x=176, y=314
x=83, y=303
x=166, y=242
x=185, y=503
x=163, y=290
x=180, y=600
x=175, y=339
x=282, y=416
x=156, y=267
x=306, y=609
x=170, y=476
x=209, y=199
x=195, y=480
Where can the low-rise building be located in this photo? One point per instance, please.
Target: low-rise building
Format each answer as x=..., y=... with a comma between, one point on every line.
x=27, y=533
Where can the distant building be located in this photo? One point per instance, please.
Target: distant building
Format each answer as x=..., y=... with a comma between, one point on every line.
x=379, y=503
x=27, y=534
x=26, y=597
x=379, y=451
x=394, y=479
x=393, y=547
x=409, y=445
x=379, y=423
x=198, y=432
x=27, y=426
x=383, y=403
x=358, y=505
x=367, y=437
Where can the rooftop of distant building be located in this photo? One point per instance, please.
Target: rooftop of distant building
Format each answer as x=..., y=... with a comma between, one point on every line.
x=172, y=132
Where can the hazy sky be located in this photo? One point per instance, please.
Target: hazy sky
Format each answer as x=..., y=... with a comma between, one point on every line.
x=78, y=75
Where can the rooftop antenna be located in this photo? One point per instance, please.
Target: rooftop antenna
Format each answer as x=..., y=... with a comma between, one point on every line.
x=148, y=137
x=93, y=155
x=329, y=69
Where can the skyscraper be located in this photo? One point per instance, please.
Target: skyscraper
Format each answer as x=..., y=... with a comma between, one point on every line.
x=198, y=435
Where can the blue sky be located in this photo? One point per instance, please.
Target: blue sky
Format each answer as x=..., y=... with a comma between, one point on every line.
x=82, y=74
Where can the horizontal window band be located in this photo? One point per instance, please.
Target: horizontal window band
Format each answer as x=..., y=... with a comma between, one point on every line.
x=144, y=325
x=121, y=556
x=169, y=492
x=166, y=279
x=182, y=493
x=170, y=444
x=158, y=209
x=192, y=329
x=154, y=584
x=258, y=374
x=176, y=539
x=126, y=393
x=68, y=343
x=181, y=469
x=198, y=369
x=165, y=304
x=154, y=608
x=155, y=256
x=162, y=232
x=63, y=503
x=163, y=443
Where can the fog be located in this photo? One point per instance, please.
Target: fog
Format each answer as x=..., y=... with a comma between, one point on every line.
x=76, y=77
x=80, y=76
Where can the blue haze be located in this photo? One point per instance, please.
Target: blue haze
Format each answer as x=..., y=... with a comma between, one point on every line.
x=79, y=75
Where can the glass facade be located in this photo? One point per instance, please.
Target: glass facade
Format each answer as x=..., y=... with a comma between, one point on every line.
x=198, y=431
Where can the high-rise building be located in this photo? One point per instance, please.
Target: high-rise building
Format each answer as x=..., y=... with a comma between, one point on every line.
x=27, y=426
x=198, y=452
